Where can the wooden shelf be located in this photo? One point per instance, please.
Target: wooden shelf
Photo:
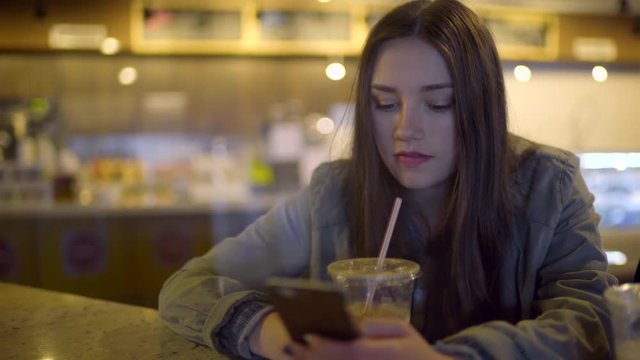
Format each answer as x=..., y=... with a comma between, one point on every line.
x=286, y=28
x=262, y=29
x=529, y=35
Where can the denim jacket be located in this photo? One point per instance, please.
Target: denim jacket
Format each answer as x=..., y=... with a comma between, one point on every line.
x=555, y=276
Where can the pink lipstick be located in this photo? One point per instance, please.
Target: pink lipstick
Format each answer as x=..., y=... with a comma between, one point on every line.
x=411, y=159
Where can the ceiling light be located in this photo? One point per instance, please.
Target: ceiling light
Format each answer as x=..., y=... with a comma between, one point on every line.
x=599, y=73
x=110, y=46
x=325, y=126
x=522, y=73
x=335, y=71
x=128, y=75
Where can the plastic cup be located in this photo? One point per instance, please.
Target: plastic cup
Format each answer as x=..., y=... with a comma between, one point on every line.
x=623, y=302
x=391, y=285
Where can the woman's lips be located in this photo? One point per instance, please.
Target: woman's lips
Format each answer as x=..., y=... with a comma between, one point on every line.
x=411, y=159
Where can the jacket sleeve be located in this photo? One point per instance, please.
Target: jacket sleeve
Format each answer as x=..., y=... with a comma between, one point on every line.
x=570, y=317
x=216, y=300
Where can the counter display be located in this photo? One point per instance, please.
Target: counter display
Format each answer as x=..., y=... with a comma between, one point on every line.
x=116, y=253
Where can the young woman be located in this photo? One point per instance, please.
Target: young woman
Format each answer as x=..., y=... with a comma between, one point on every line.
x=503, y=228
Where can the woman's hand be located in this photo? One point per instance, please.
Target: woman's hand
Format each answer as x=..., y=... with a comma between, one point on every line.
x=382, y=339
x=269, y=338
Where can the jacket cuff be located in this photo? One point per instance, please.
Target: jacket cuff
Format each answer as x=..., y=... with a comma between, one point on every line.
x=459, y=351
x=231, y=337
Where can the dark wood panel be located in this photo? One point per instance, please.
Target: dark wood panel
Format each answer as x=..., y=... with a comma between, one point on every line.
x=21, y=28
x=621, y=29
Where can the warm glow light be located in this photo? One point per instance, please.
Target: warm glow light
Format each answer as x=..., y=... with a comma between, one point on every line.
x=335, y=71
x=325, y=126
x=128, y=76
x=599, y=73
x=522, y=73
x=324, y=1
x=616, y=257
x=110, y=46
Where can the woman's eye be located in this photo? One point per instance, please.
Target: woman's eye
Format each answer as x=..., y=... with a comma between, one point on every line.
x=385, y=106
x=439, y=108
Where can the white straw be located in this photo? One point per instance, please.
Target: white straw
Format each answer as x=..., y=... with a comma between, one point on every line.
x=383, y=250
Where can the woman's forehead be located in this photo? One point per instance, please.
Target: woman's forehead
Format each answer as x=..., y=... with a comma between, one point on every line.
x=409, y=62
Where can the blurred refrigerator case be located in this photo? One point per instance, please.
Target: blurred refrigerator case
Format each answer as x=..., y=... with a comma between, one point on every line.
x=614, y=180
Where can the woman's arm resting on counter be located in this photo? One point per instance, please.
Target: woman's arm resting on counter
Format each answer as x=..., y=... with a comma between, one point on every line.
x=215, y=299
x=572, y=322
x=270, y=337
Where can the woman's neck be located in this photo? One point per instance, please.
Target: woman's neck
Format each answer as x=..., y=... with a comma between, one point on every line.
x=431, y=204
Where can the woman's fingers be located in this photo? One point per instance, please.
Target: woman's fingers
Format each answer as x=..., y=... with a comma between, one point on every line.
x=365, y=348
x=319, y=348
x=296, y=351
x=381, y=339
x=384, y=327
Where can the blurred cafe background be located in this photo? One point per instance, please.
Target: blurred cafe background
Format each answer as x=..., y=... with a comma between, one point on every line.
x=135, y=134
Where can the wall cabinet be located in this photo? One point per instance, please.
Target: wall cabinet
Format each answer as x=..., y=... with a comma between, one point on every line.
x=293, y=27
x=246, y=28
x=519, y=35
x=285, y=28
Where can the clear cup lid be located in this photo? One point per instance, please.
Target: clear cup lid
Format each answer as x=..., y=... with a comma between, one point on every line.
x=366, y=269
x=625, y=295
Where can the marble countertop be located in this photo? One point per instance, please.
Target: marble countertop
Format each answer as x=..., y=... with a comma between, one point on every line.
x=38, y=324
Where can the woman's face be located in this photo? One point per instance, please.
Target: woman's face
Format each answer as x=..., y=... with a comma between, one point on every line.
x=413, y=113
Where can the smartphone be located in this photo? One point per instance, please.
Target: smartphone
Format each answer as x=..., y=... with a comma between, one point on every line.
x=311, y=307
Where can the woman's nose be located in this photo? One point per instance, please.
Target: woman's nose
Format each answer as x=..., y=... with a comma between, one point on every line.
x=408, y=125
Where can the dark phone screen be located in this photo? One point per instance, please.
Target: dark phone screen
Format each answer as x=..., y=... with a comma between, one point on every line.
x=310, y=307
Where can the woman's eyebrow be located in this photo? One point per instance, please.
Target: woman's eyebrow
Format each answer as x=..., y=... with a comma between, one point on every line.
x=430, y=87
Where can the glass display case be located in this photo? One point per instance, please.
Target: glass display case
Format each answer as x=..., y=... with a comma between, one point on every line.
x=614, y=180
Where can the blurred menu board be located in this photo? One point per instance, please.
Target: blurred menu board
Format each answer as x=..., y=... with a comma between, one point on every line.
x=304, y=25
x=523, y=34
x=191, y=24
x=180, y=26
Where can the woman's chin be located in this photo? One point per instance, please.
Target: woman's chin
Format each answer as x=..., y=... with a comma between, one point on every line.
x=421, y=183
x=415, y=184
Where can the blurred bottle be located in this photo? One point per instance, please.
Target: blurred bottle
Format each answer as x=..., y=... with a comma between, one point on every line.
x=261, y=175
x=64, y=181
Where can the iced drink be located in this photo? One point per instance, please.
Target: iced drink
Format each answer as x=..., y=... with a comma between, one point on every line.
x=380, y=310
x=389, y=286
x=624, y=303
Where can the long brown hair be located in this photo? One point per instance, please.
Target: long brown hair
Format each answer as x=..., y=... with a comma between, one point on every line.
x=476, y=216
